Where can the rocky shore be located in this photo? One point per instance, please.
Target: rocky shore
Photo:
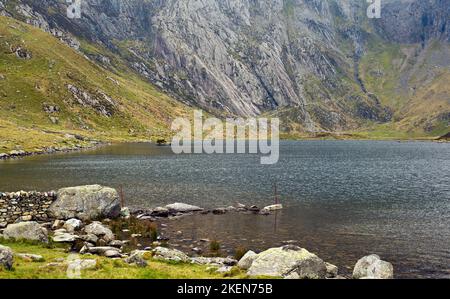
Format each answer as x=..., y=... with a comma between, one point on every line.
x=17, y=154
x=91, y=222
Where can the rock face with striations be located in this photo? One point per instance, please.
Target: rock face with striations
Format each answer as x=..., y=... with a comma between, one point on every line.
x=86, y=203
x=299, y=59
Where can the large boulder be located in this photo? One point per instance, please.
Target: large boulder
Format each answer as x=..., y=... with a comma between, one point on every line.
x=99, y=230
x=86, y=203
x=31, y=231
x=6, y=257
x=288, y=262
x=372, y=267
x=183, y=208
x=162, y=253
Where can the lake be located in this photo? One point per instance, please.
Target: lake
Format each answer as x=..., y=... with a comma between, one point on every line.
x=343, y=199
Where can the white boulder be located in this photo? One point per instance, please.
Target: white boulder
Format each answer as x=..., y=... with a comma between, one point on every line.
x=288, y=262
x=372, y=267
x=86, y=203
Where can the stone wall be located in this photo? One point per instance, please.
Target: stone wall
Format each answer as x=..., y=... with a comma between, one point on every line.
x=25, y=205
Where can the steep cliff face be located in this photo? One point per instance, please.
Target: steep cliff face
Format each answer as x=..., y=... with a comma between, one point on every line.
x=298, y=59
x=410, y=21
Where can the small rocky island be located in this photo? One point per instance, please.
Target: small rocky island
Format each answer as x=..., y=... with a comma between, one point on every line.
x=92, y=224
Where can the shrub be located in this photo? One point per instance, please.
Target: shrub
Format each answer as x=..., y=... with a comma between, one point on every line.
x=214, y=246
x=240, y=251
x=146, y=228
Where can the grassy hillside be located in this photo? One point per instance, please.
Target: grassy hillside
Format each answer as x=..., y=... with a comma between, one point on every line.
x=47, y=90
x=413, y=82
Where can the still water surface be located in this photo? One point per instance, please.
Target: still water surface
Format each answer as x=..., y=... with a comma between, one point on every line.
x=343, y=199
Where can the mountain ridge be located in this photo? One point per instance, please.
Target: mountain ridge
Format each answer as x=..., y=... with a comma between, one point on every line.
x=322, y=66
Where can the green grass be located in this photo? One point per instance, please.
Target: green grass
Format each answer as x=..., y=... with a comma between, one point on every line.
x=106, y=268
x=400, y=76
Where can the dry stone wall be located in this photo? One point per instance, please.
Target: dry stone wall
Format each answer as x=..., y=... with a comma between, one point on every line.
x=25, y=206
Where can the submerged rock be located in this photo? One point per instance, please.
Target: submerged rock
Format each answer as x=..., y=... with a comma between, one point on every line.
x=86, y=203
x=274, y=207
x=372, y=267
x=183, y=208
x=288, y=262
x=31, y=231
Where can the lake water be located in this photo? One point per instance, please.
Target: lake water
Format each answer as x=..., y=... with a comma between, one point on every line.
x=343, y=199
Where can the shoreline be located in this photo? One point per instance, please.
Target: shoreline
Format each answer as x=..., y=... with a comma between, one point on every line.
x=19, y=154
x=120, y=239
x=144, y=230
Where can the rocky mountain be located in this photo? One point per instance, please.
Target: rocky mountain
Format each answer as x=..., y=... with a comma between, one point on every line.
x=319, y=65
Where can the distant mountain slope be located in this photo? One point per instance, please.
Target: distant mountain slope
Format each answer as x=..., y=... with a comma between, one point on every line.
x=320, y=65
x=48, y=89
